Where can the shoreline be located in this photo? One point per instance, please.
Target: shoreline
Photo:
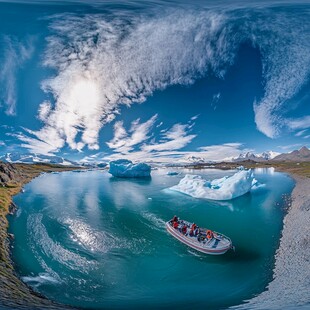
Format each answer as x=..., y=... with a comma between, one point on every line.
x=290, y=287
x=281, y=292
x=14, y=293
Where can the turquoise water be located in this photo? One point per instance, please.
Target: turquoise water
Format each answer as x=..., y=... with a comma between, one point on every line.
x=90, y=240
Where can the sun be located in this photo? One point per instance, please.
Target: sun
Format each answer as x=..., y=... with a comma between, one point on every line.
x=85, y=94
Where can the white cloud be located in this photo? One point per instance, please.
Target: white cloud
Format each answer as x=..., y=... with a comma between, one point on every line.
x=213, y=153
x=139, y=136
x=300, y=133
x=104, y=62
x=286, y=65
x=15, y=53
x=225, y=151
x=290, y=147
x=299, y=123
x=124, y=142
x=174, y=139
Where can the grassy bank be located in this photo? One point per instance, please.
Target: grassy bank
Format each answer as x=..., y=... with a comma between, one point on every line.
x=13, y=292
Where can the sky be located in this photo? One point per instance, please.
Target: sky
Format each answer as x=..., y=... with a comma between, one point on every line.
x=154, y=81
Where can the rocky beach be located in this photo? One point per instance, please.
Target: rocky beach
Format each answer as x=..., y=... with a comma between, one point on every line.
x=289, y=288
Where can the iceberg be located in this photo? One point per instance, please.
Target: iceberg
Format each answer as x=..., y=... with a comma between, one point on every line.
x=124, y=168
x=226, y=188
x=171, y=173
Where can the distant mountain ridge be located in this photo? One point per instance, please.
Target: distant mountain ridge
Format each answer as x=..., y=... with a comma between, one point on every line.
x=302, y=154
x=31, y=158
x=269, y=155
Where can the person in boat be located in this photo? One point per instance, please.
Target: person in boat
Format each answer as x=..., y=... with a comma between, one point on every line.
x=196, y=231
x=175, y=219
x=192, y=230
x=184, y=229
x=175, y=224
x=210, y=234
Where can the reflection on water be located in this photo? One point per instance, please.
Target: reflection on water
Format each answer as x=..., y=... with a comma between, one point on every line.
x=96, y=241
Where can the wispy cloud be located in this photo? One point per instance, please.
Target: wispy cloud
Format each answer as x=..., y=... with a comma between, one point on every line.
x=124, y=142
x=139, y=137
x=300, y=133
x=299, y=123
x=175, y=138
x=290, y=147
x=225, y=151
x=212, y=153
x=113, y=65
x=13, y=54
x=286, y=66
x=104, y=62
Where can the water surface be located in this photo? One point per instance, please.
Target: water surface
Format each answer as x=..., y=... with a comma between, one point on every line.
x=90, y=240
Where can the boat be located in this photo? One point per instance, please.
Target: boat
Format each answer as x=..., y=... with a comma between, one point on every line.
x=200, y=239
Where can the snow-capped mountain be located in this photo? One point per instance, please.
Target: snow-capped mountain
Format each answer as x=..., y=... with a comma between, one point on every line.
x=256, y=157
x=30, y=158
x=194, y=159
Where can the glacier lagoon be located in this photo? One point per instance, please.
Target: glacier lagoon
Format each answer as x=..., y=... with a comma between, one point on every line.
x=91, y=240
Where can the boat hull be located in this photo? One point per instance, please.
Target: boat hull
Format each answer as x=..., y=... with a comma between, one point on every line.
x=175, y=233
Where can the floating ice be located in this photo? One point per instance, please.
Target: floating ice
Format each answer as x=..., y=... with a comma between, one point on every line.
x=172, y=173
x=124, y=168
x=226, y=188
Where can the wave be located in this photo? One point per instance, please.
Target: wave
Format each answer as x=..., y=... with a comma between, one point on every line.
x=122, y=57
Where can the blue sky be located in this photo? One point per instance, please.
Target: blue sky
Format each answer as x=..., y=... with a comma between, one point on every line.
x=145, y=83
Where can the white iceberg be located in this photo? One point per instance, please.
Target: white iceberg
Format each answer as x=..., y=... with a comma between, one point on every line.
x=124, y=168
x=226, y=188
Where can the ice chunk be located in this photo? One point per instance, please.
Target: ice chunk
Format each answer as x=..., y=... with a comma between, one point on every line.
x=226, y=188
x=172, y=173
x=124, y=168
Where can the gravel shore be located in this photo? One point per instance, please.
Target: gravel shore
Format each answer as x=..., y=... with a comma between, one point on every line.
x=290, y=288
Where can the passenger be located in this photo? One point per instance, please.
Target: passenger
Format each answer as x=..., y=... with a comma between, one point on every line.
x=209, y=235
x=184, y=229
x=191, y=232
x=175, y=219
x=193, y=227
x=175, y=225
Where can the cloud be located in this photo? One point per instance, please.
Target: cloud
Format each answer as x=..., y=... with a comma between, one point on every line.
x=13, y=55
x=225, y=151
x=124, y=142
x=175, y=138
x=139, y=137
x=105, y=61
x=299, y=123
x=300, y=133
x=290, y=147
x=212, y=153
x=36, y=141
x=286, y=65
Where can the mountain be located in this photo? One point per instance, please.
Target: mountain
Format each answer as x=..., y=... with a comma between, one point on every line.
x=191, y=159
x=31, y=158
x=302, y=154
x=256, y=157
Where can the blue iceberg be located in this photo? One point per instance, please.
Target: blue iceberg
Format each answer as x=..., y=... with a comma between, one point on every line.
x=172, y=173
x=226, y=188
x=124, y=168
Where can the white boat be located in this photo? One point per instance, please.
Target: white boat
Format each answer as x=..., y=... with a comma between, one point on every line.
x=214, y=244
